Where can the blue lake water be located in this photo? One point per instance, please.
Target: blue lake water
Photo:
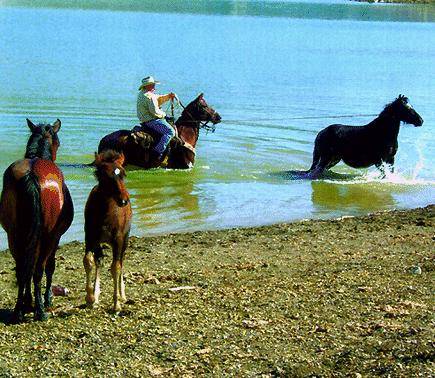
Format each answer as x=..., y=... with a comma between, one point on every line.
x=277, y=72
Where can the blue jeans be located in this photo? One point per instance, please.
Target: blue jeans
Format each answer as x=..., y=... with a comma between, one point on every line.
x=166, y=132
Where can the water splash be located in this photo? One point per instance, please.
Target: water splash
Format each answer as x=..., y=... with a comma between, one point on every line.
x=395, y=178
x=420, y=163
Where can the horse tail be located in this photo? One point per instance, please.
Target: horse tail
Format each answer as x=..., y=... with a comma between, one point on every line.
x=29, y=221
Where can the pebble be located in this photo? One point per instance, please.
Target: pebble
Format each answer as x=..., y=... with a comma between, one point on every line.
x=58, y=290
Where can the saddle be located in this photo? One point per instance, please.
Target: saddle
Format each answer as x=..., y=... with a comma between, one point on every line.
x=148, y=138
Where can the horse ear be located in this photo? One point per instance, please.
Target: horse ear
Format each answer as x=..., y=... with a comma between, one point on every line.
x=30, y=124
x=97, y=158
x=120, y=160
x=201, y=95
x=56, y=125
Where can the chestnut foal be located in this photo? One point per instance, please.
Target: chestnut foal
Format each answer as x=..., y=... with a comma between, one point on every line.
x=107, y=221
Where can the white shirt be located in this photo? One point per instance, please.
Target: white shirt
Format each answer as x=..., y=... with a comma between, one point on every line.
x=148, y=107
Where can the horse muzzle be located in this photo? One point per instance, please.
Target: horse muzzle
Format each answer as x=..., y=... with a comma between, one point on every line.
x=419, y=122
x=216, y=118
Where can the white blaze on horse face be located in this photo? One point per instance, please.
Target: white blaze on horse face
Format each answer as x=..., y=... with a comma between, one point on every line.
x=117, y=171
x=409, y=106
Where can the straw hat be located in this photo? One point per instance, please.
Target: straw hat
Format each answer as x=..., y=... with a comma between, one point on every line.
x=147, y=81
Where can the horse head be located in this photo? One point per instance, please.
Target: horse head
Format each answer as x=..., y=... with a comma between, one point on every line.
x=110, y=175
x=199, y=110
x=405, y=112
x=43, y=141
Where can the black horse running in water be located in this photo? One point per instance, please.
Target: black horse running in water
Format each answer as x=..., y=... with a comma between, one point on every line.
x=363, y=146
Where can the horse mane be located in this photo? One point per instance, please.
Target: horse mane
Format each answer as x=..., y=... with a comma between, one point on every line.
x=188, y=116
x=390, y=108
x=107, y=156
x=38, y=146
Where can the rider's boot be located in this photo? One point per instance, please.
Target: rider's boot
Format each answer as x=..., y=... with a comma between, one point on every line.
x=154, y=157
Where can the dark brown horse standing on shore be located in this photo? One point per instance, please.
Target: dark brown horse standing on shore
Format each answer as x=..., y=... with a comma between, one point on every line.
x=136, y=144
x=107, y=221
x=35, y=210
x=363, y=146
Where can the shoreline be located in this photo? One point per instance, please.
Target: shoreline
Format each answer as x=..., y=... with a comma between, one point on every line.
x=245, y=229
x=309, y=298
x=394, y=1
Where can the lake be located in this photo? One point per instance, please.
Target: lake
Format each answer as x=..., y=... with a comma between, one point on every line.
x=277, y=72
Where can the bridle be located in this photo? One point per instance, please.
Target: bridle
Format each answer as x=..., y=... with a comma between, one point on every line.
x=202, y=124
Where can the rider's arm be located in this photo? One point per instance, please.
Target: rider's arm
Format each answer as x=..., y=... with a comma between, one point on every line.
x=163, y=98
x=154, y=107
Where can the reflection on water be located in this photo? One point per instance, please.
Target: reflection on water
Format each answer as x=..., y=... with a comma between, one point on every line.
x=354, y=197
x=294, y=175
x=164, y=201
x=328, y=10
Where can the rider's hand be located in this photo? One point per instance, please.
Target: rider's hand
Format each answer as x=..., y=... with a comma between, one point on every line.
x=172, y=95
x=169, y=119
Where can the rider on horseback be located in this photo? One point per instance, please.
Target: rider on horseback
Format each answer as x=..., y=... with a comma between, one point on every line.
x=151, y=116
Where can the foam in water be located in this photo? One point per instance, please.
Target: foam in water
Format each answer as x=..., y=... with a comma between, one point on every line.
x=397, y=178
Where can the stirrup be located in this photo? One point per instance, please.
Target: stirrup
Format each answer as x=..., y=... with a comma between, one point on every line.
x=164, y=162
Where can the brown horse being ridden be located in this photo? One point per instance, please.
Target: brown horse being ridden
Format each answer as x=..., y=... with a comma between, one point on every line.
x=107, y=221
x=35, y=210
x=136, y=144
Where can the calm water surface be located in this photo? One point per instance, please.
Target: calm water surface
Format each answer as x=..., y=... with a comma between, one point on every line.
x=261, y=64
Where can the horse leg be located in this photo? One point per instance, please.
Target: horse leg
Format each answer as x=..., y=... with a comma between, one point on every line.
x=122, y=284
x=90, y=269
x=321, y=160
x=322, y=165
x=381, y=168
x=121, y=278
x=28, y=306
x=116, y=275
x=18, y=315
x=116, y=270
x=316, y=158
x=49, y=270
x=24, y=271
x=390, y=161
x=40, y=313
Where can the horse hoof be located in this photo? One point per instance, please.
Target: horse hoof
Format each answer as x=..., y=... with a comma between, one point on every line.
x=116, y=309
x=91, y=302
x=28, y=308
x=17, y=317
x=40, y=316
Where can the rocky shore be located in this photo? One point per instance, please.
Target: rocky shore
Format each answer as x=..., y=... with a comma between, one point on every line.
x=346, y=297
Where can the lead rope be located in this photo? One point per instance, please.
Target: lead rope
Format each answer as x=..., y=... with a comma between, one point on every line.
x=298, y=118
